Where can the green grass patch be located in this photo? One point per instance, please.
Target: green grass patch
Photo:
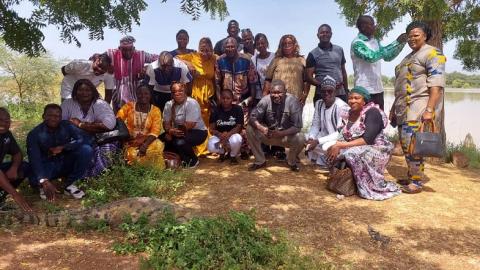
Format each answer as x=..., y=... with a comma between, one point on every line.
x=472, y=153
x=230, y=242
x=121, y=181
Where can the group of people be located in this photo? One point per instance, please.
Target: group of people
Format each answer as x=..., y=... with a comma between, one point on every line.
x=234, y=99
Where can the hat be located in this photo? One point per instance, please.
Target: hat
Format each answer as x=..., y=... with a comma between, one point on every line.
x=127, y=41
x=361, y=91
x=328, y=81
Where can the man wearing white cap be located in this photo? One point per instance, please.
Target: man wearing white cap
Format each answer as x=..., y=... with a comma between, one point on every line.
x=326, y=120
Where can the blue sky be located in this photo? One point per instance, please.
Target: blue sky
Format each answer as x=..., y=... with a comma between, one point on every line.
x=160, y=22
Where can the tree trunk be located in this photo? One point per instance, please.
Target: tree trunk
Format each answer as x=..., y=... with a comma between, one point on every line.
x=436, y=41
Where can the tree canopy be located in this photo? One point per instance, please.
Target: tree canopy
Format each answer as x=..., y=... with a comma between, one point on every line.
x=449, y=19
x=24, y=34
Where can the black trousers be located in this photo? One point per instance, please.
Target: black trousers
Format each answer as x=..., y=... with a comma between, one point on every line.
x=159, y=99
x=184, y=146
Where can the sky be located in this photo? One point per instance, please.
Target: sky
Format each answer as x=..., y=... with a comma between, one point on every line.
x=161, y=21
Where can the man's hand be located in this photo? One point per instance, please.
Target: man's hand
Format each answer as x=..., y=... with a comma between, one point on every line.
x=56, y=150
x=311, y=143
x=175, y=132
x=50, y=190
x=142, y=150
x=263, y=130
x=275, y=134
x=22, y=203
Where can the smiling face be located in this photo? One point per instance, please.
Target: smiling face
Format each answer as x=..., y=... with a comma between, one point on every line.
x=367, y=26
x=356, y=101
x=178, y=93
x=205, y=50
x=231, y=48
x=233, y=29
x=182, y=40
x=99, y=67
x=52, y=117
x=84, y=94
x=143, y=95
x=324, y=34
x=5, y=121
x=261, y=45
x=127, y=51
x=288, y=47
x=278, y=94
x=247, y=39
x=416, y=38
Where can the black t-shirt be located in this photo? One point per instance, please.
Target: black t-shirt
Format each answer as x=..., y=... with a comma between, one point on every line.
x=226, y=121
x=8, y=145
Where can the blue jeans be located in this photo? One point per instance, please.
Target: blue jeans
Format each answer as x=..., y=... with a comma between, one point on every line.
x=72, y=165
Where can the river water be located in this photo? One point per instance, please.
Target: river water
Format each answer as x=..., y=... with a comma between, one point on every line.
x=462, y=107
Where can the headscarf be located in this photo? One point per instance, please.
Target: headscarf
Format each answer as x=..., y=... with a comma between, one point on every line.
x=361, y=91
x=328, y=81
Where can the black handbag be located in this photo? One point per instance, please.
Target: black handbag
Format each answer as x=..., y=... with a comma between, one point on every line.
x=118, y=133
x=426, y=143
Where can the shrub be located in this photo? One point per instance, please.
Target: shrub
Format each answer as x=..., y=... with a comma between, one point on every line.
x=231, y=242
x=121, y=181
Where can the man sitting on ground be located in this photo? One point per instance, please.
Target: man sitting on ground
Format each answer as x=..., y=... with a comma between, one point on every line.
x=325, y=122
x=57, y=149
x=11, y=173
x=276, y=120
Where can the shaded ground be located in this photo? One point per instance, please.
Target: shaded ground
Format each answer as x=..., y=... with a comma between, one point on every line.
x=438, y=229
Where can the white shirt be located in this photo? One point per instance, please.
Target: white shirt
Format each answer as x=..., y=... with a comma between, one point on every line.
x=162, y=84
x=326, y=120
x=368, y=75
x=82, y=69
x=261, y=65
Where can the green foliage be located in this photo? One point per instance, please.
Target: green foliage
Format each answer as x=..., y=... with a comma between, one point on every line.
x=24, y=34
x=459, y=19
x=472, y=153
x=98, y=225
x=121, y=181
x=33, y=78
x=460, y=80
x=231, y=242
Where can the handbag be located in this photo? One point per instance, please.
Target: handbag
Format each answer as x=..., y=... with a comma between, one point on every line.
x=426, y=143
x=118, y=133
x=172, y=160
x=341, y=181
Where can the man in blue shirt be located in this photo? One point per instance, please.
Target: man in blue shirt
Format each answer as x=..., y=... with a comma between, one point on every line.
x=56, y=149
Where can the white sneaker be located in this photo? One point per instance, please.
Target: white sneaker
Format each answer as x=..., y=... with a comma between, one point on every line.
x=42, y=194
x=74, y=191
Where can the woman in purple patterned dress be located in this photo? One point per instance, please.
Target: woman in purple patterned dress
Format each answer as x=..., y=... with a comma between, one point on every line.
x=365, y=147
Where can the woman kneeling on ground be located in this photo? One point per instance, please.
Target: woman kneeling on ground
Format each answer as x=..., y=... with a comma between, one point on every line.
x=364, y=146
x=226, y=122
x=183, y=124
x=144, y=123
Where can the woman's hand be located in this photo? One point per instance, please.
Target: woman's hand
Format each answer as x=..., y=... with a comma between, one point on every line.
x=427, y=116
x=333, y=152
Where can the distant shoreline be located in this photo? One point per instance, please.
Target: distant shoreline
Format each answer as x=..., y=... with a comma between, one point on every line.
x=450, y=90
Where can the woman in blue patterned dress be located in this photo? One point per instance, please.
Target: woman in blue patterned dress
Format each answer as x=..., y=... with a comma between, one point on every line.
x=365, y=147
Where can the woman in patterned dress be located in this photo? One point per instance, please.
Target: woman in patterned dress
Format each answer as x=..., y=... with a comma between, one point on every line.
x=144, y=123
x=365, y=147
x=419, y=85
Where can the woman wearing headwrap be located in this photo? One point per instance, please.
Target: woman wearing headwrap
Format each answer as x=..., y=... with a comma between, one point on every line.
x=364, y=146
x=326, y=121
x=419, y=85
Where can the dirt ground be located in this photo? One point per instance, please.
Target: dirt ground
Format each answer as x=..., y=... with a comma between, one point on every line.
x=436, y=229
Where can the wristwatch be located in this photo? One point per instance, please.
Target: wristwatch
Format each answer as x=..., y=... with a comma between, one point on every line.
x=428, y=109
